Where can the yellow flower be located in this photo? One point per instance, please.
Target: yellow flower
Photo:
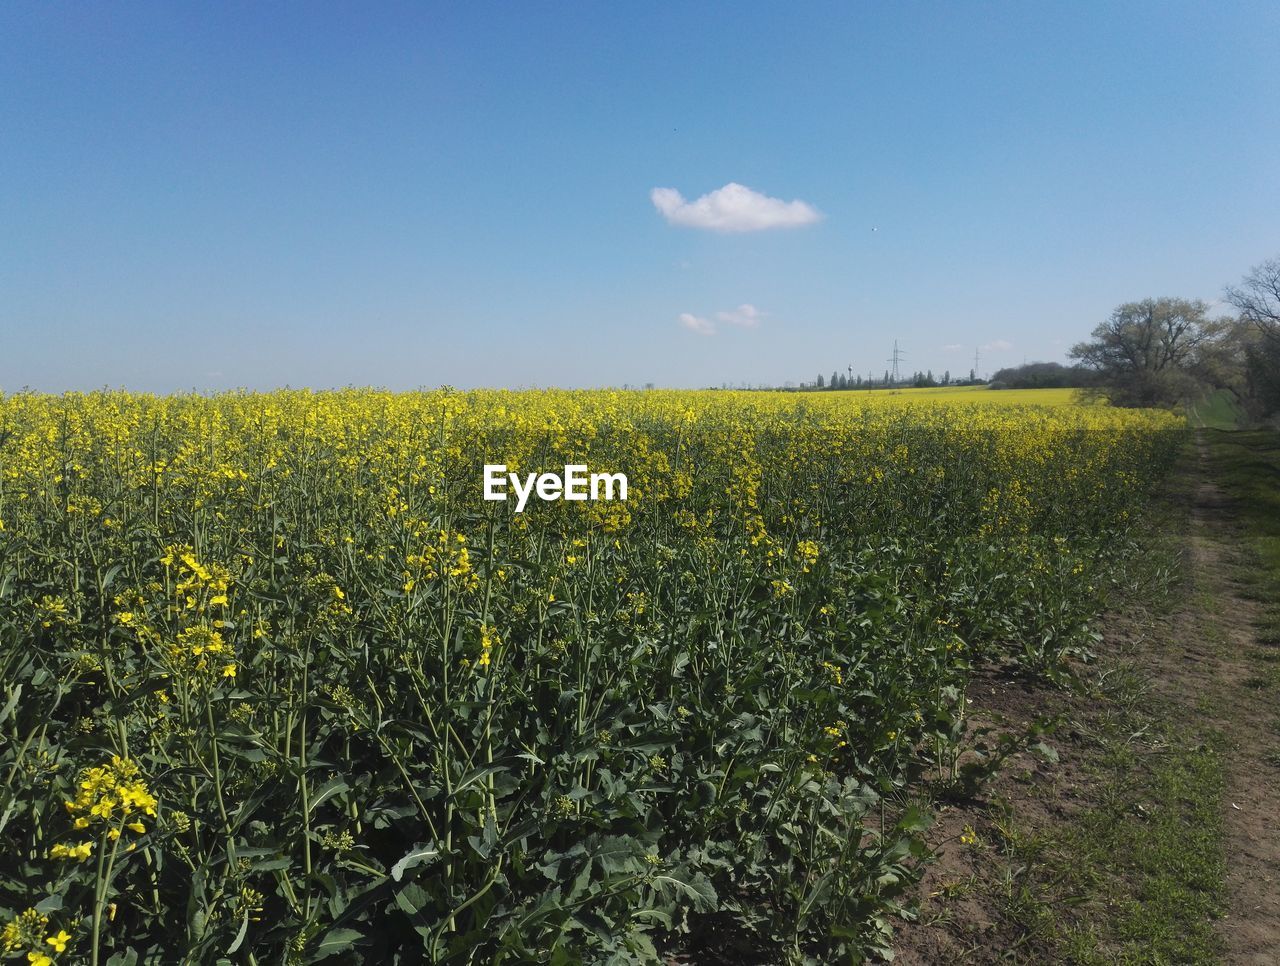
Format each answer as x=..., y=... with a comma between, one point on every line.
x=39, y=959
x=59, y=942
x=78, y=852
x=229, y=671
x=136, y=795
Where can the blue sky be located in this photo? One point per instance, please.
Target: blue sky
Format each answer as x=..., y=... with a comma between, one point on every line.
x=225, y=195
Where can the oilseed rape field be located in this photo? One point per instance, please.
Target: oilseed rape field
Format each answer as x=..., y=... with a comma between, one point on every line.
x=277, y=683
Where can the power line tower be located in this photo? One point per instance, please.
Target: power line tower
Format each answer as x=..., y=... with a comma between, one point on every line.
x=895, y=377
x=975, y=362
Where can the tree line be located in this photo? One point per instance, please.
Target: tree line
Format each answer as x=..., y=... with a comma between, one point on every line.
x=1164, y=351
x=916, y=380
x=1154, y=352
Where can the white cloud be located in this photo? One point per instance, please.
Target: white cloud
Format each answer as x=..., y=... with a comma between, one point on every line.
x=999, y=345
x=952, y=347
x=734, y=207
x=696, y=323
x=745, y=315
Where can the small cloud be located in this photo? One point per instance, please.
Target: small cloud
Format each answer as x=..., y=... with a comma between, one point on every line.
x=999, y=345
x=732, y=208
x=745, y=315
x=952, y=347
x=696, y=323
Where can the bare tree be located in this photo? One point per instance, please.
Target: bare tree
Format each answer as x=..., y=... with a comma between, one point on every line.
x=1258, y=298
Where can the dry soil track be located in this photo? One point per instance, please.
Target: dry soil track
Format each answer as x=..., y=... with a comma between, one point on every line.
x=1219, y=635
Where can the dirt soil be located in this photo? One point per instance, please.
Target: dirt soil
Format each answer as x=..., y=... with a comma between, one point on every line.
x=959, y=921
x=1251, y=928
x=1196, y=656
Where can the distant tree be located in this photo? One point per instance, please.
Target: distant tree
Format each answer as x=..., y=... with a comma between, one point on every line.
x=835, y=380
x=1257, y=298
x=1148, y=353
x=1262, y=375
x=1041, y=375
x=946, y=378
x=820, y=383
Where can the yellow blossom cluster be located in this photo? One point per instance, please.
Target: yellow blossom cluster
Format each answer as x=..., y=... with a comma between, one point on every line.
x=26, y=932
x=443, y=555
x=113, y=796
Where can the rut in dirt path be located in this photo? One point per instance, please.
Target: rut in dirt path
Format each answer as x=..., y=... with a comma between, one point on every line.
x=1219, y=665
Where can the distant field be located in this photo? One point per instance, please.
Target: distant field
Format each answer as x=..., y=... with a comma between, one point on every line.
x=1215, y=411
x=979, y=395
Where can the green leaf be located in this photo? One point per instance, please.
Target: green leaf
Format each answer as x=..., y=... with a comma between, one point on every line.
x=335, y=941
x=616, y=854
x=14, y=694
x=334, y=786
x=49, y=904
x=418, y=855
x=697, y=890
x=244, y=931
x=411, y=898
x=273, y=865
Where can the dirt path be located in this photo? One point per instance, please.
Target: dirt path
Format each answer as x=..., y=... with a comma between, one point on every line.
x=1204, y=666
x=1222, y=659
